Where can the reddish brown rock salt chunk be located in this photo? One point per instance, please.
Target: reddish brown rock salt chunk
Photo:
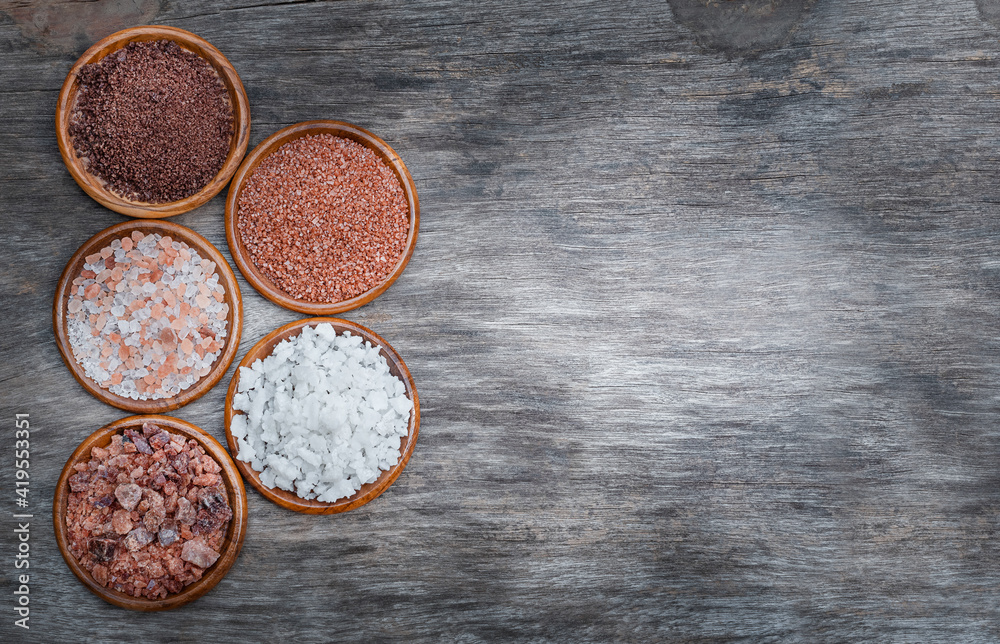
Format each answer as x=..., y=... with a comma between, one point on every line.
x=78, y=482
x=103, y=549
x=128, y=495
x=199, y=554
x=137, y=538
x=121, y=521
x=154, y=517
x=185, y=511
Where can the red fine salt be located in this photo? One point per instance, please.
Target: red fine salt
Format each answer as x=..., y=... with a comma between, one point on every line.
x=324, y=218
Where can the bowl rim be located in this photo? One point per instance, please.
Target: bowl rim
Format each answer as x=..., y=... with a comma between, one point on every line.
x=226, y=277
x=368, y=492
x=93, y=186
x=264, y=149
x=236, y=533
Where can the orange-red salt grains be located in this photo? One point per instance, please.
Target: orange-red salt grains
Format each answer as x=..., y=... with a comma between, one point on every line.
x=324, y=218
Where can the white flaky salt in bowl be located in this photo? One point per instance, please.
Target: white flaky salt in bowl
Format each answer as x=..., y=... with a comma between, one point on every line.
x=322, y=415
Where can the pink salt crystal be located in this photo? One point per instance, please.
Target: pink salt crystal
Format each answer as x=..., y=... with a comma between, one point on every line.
x=91, y=291
x=177, y=324
x=74, y=306
x=165, y=241
x=107, y=252
x=185, y=512
x=187, y=346
x=202, y=300
x=137, y=538
x=93, y=258
x=198, y=553
x=128, y=494
x=137, y=235
x=103, y=275
x=221, y=315
x=126, y=244
x=121, y=521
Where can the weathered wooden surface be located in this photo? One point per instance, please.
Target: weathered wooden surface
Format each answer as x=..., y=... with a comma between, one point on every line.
x=702, y=316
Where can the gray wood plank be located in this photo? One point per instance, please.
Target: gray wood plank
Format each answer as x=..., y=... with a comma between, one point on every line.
x=702, y=317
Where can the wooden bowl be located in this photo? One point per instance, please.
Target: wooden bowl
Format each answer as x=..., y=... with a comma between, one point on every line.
x=261, y=282
x=234, y=322
x=94, y=186
x=236, y=493
x=368, y=491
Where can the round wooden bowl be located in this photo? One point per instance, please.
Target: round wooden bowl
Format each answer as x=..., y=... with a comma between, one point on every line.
x=94, y=186
x=234, y=322
x=265, y=286
x=236, y=493
x=368, y=491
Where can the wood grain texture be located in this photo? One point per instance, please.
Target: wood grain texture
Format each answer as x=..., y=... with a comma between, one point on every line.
x=703, y=324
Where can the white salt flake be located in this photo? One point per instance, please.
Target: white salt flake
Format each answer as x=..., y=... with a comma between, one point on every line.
x=323, y=414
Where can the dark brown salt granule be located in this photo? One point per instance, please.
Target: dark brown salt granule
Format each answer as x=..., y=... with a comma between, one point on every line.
x=153, y=121
x=324, y=218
